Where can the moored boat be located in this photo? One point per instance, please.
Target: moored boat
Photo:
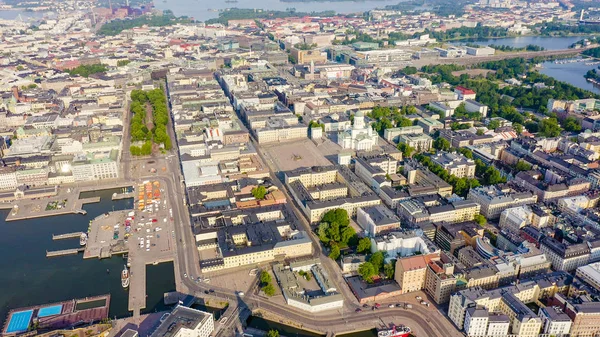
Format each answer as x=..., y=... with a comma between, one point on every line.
x=125, y=277
x=83, y=239
x=395, y=331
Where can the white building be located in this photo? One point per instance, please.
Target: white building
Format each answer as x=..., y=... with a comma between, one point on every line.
x=361, y=137
x=476, y=321
x=186, y=322
x=377, y=219
x=513, y=219
x=590, y=274
x=96, y=167
x=8, y=178
x=554, y=321
x=403, y=244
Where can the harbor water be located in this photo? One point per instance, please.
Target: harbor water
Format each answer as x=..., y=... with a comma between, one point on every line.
x=29, y=278
x=571, y=73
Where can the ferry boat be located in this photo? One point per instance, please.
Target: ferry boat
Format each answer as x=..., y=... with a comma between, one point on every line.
x=395, y=331
x=83, y=239
x=125, y=277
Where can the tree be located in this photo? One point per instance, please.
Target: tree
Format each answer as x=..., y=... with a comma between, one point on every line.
x=377, y=259
x=366, y=270
x=409, y=70
x=269, y=289
x=518, y=128
x=522, y=166
x=480, y=219
x=322, y=232
x=273, y=333
x=549, y=128
x=403, y=122
x=494, y=124
x=406, y=150
x=364, y=245
x=338, y=215
x=265, y=277
x=441, y=144
x=335, y=252
x=388, y=270
x=492, y=176
x=571, y=124
x=259, y=192
x=146, y=148
x=480, y=132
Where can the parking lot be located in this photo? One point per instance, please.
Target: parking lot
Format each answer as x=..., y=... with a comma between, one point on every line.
x=152, y=221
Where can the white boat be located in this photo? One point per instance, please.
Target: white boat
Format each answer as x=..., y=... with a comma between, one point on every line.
x=83, y=239
x=395, y=331
x=125, y=277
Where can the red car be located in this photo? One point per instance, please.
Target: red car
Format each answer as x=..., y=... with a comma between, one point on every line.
x=154, y=220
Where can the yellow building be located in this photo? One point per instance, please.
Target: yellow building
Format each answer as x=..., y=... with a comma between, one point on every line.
x=411, y=273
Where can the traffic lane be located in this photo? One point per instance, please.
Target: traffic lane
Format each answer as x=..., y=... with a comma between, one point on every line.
x=363, y=317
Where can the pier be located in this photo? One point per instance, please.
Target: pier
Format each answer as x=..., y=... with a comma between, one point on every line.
x=64, y=252
x=71, y=204
x=66, y=236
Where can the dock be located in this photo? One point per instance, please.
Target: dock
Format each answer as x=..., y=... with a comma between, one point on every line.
x=30, y=209
x=64, y=252
x=137, y=288
x=121, y=196
x=66, y=236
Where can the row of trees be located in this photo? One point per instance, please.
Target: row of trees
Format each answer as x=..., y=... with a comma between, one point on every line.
x=529, y=47
x=460, y=186
x=140, y=101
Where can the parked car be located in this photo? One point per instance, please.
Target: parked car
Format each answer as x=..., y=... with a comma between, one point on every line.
x=391, y=306
x=358, y=310
x=419, y=298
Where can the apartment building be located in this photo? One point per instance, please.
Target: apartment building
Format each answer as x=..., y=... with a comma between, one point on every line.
x=496, y=198
x=377, y=219
x=567, y=257
x=511, y=301
x=480, y=322
x=455, y=164
x=584, y=314
x=440, y=282
x=411, y=273
x=250, y=244
x=8, y=178
x=554, y=321
x=301, y=180
x=590, y=274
